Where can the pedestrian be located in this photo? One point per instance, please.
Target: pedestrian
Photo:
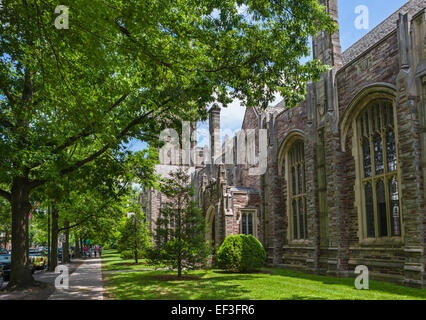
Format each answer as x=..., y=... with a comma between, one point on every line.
x=94, y=251
x=100, y=251
x=85, y=251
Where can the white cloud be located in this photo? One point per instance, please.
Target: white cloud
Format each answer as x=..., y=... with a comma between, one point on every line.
x=231, y=118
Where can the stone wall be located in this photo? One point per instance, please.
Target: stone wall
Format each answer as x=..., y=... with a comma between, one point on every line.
x=335, y=244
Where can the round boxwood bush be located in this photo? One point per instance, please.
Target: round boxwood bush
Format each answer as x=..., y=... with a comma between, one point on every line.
x=241, y=253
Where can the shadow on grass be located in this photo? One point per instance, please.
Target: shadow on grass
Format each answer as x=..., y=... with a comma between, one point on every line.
x=156, y=286
x=262, y=271
x=379, y=286
x=299, y=297
x=111, y=260
x=268, y=283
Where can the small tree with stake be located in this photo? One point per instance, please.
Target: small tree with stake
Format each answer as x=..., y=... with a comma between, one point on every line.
x=180, y=233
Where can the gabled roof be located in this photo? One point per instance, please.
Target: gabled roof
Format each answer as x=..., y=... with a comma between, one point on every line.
x=279, y=107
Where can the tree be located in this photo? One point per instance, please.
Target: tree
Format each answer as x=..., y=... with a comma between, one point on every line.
x=135, y=234
x=39, y=227
x=180, y=233
x=126, y=70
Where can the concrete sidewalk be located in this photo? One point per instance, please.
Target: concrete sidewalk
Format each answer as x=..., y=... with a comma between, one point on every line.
x=85, y=283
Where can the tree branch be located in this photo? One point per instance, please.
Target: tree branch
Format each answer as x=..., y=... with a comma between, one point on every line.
x=127, y=33
x=100, y=209
x=6, y=123
x=6, y=195
x=76, y=224
x=84, y=133
x=8, y=95
x=122, y=134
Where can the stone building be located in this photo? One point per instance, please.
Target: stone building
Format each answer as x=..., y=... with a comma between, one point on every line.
x=343, y=184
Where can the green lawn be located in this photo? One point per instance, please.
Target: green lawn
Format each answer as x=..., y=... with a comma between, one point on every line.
x=111, y=261
x=272, y=284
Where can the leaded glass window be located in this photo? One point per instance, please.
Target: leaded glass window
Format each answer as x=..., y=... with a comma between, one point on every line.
x=380, y=182
x=297, y=191
x=247, y=222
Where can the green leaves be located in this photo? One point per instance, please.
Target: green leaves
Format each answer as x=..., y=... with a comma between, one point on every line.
x=180, y=232
x=241, y=253
x=127, y=69
x=135, y=235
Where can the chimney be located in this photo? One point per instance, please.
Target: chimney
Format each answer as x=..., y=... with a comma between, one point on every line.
x=214, y=128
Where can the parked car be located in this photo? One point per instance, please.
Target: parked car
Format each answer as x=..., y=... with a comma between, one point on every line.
x=5, y=262
x=5, y=265
x=39, y=259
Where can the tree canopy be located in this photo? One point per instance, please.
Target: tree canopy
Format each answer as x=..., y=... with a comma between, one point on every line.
x=118, y=70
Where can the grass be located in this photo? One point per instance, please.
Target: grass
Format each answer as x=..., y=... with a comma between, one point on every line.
x=111, y=261
x=271, y=284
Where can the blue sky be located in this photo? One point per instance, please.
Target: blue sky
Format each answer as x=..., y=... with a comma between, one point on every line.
x=378, y=10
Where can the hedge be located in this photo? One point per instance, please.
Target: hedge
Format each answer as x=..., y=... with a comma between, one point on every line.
x=241, y=253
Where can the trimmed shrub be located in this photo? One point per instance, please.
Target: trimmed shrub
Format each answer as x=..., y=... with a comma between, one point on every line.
x=127, y=255
x=241, y=253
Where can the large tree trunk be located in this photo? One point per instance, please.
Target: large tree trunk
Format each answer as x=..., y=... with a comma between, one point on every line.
x=136, y=257
x=77, y=253
x=179, y=267
x=81, y=247
x=55, y=228
x=20, y=276
x=66, y=245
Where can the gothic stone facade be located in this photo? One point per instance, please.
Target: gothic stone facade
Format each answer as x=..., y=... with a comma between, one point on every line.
x=344, y=184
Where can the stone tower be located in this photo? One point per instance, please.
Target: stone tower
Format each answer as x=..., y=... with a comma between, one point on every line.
x=322, y=151
x=214, y=129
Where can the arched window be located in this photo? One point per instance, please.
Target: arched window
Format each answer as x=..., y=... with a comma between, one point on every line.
x=379, y=171
x=297, y=191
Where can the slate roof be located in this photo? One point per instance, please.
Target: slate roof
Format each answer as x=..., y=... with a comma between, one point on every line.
x=244, y=189
x=386, y=27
